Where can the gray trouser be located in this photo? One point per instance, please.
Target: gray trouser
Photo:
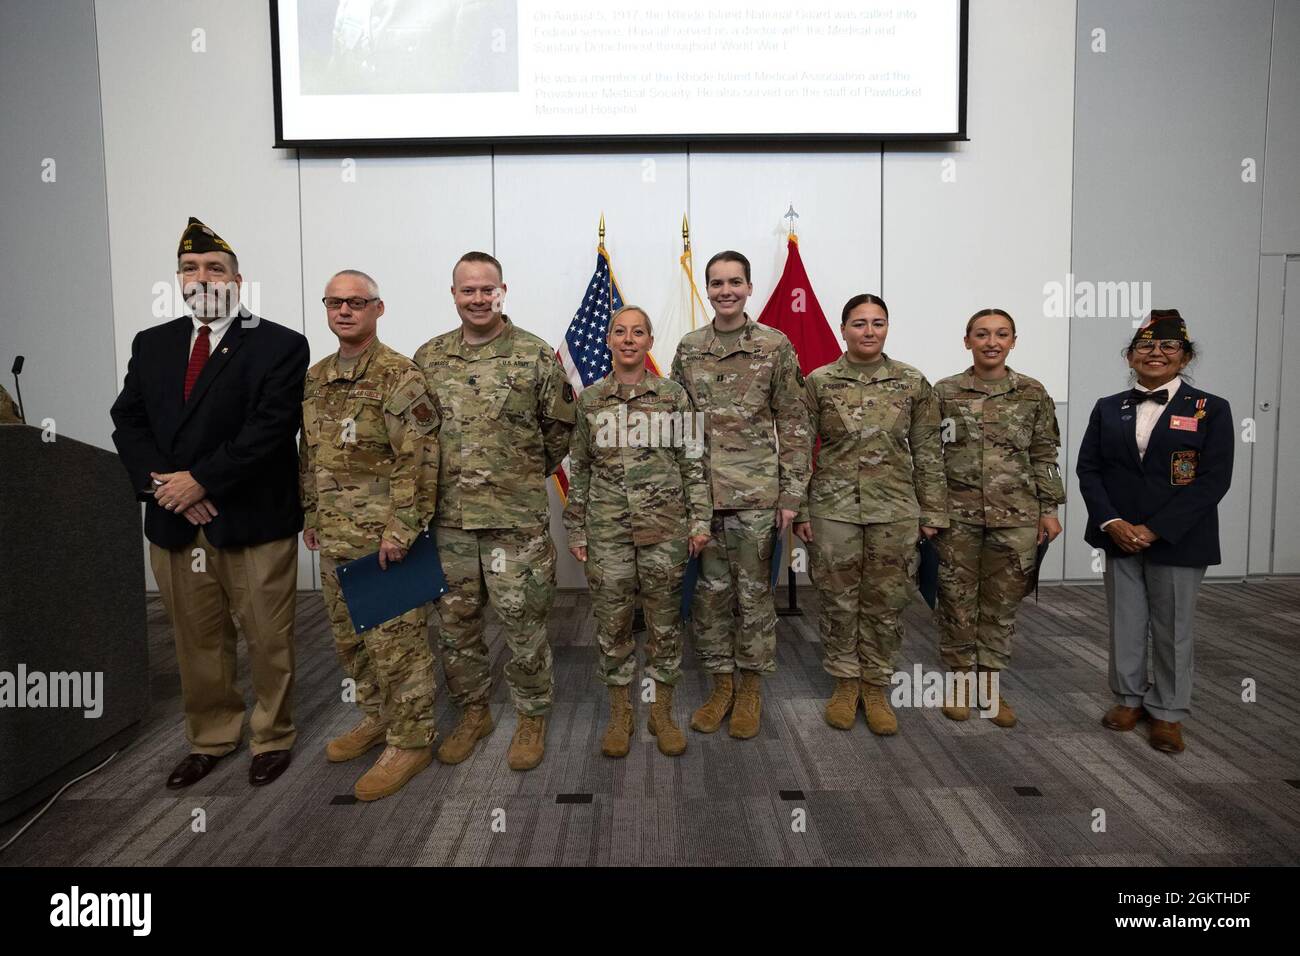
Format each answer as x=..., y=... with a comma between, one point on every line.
x=1158, y=599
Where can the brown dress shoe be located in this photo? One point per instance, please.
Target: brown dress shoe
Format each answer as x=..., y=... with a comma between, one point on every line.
x=1167, y=735
x=191, y=770
x=267, y=767
x=1122, y=718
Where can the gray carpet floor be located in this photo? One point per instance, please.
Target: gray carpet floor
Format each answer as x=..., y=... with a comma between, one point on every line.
x=802, y=793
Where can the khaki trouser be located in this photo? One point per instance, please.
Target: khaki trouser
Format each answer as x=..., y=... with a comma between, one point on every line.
x=391, y=664
x=255, y=586
x=514, y=569
x=983, y=574
x=733, y=613
x=617, y=573
x=864, y=577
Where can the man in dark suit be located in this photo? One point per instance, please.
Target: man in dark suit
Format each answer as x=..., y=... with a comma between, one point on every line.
x=205, y=426
x=1154, y=464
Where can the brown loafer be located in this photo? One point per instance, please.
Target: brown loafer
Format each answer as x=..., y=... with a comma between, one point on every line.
x=1122, y=718
x=1167, y=736
x=191, y=770
x=267, y=766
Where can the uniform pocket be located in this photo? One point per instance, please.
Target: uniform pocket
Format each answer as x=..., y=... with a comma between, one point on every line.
x=1015, y=424
x=897, y=413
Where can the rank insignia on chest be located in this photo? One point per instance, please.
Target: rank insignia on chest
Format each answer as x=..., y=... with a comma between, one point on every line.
x=1182, y=468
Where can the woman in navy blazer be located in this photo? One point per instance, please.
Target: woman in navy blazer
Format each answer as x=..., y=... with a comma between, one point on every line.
x=1154, y=463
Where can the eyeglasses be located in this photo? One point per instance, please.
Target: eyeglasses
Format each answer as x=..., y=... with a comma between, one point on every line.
x=355, y=302
x=1168, y=348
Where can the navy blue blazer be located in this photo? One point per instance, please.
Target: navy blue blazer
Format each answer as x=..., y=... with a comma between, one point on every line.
x=235, y=435
x=1174, y=490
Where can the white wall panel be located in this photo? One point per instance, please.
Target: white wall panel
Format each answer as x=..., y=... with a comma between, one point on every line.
x=986, y=223
x=739, y=199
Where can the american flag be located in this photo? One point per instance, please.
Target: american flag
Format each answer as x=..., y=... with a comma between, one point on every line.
x=584, y=352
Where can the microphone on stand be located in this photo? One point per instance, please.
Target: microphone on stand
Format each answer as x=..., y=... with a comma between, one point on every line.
x=17, y=370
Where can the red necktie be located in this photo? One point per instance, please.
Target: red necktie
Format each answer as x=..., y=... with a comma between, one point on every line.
x=198, y=357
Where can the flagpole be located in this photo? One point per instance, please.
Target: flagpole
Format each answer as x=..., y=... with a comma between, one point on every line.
x=792, y=591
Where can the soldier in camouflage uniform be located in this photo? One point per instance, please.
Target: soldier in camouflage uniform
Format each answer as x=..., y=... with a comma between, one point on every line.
x=369, y=452
x=1000, y=441
x=877, y=486
x=506, y=411
x=8, y=409
x=638, y=508
x=745, y=378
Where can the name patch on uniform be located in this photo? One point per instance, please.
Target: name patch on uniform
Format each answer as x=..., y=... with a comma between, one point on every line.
x=1185, y=423
x=1182, y=468
x=367, y=393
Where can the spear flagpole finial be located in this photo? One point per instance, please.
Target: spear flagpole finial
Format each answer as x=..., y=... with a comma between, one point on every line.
x=602, y=228
x=686, y=235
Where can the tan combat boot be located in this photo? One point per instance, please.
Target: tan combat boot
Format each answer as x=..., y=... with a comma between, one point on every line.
x=958, y=707
x=842, y=708
x=713, y=711
x=1005, y=717
x=669, y=736
x=371, y=731
x=749, y=705
x=475, y=724
x=618, y=735
x=880, y=716
x=529, y=743
x=391, y=772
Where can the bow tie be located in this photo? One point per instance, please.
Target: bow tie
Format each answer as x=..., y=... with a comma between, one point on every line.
x=1137, y=396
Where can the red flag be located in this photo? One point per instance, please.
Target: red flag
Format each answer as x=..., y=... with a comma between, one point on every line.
x=794, y=310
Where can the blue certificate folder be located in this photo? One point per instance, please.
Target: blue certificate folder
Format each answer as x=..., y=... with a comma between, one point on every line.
x=693, y=575
x=927, y=571
x=374, y=596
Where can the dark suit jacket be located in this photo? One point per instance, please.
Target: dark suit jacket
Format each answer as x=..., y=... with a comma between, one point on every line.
x=235, y=435
x=1174, y=490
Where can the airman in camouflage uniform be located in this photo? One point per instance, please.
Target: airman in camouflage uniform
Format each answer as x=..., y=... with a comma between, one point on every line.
x=8, y=409
x=877, y=486
x=1000, y=441
x=636, y=494
x=506, y=411
x=368, y=453
x=878, y=479
x=757, y=456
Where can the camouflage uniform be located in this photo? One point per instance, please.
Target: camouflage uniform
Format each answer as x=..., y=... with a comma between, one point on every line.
x=368, y=458
x=878, y=478
x=757, y=458
x=1000, y=456
x=506, y=412
x=8, y=409
x=636, y=493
